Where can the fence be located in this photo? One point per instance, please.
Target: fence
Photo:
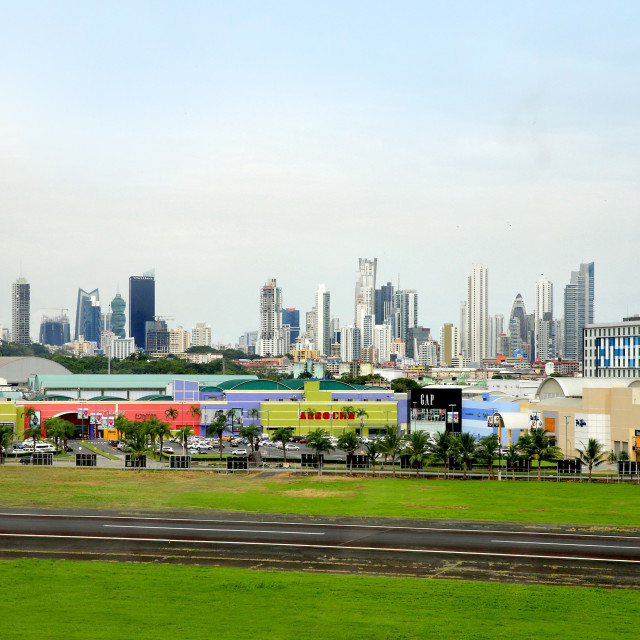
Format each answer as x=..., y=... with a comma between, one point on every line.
x=179, y=462
x=135, y=463
x=86, y=460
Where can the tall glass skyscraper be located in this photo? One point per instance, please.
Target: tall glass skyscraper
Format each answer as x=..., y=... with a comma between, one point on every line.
x=81, y=308
x=578, y=310
x=142, y=306
x=118, y=319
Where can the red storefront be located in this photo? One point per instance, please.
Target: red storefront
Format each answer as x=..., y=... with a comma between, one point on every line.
x=95, y=418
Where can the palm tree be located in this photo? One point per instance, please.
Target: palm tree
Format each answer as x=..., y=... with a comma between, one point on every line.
x=623, y=456
x=137, y=440
x=391, y=445
x=487, y=449
x=465, y=451
x=612, y=458
x=171, y=413
x=6, y=436
x=318, y=440
x=349, y=443
x=121, y=425
x=373, y=449
x=183, y=435
x=283, y=434
x=417, y=446
x=592, y=455
x=254, y=414
x=362, y=414
x=512, y=456
x=252, y=433
x=442, y=449
x=195, y=411
x=348, y=409
x=217, y=427
x=35, y=433
x=58, y=429
x=160, y=429
x=537, y=445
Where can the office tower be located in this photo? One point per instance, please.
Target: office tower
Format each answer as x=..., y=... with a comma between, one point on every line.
x=334, y=329
x=427, y=355
x=201, y=335
x=415, y=337
x=118, y=318
x=578, y=310
x=322, y=335
x=384, y=303
x=292, y=318
x=21, y=311
x=406, y=305
x=365, y=289
x=90, y=319
x=449, y=344
x=368, y=331
x=519, y=312
x=497, y=327
x=350, y=345
x=54, y=331
x=180, y=340
x=311, y=327
x=157, y=337
x=81, y=307
x=270, y=342
x=142, y=306
x=383, y=339
x=477, y=313
x=544, y=314
x=463, y=329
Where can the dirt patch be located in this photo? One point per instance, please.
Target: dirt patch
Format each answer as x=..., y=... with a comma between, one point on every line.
x=433, y=506
x=532, y=510
x=318, y=493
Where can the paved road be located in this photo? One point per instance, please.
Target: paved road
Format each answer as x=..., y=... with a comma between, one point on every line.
x=470, y=550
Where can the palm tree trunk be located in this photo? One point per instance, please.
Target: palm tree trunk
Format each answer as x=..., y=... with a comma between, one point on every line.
x=539, y=463
x=393, y=465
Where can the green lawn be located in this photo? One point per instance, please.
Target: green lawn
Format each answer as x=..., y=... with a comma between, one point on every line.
x=68, y=600
x=595, y=504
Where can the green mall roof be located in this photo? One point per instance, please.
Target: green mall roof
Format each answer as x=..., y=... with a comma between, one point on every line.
x=128, y=381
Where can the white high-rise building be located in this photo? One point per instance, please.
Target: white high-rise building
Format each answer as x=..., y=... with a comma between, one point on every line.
x=428, y=354
x=21, y=311
x=179, y=340
x=365, y=296
x=322, y=332
x=383, y=339
x=477, y=313
x=201, y=335
x=406, y=305
x=350, y=346
x=368, y=331
x=270, y=340
x=463, y=328
x=544, y=319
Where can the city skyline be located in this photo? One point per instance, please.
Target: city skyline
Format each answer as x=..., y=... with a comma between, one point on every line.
x=505, y=138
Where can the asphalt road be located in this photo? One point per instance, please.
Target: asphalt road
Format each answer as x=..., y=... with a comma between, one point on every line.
x=495, y=551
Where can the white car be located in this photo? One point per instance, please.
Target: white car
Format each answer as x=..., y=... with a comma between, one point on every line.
x=193, y=452
x=291, y=447
x=240, y=452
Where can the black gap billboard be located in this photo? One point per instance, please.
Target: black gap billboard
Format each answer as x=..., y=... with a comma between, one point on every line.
x=435, y=409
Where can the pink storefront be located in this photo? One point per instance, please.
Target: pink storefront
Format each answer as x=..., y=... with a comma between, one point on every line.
x=95, y=419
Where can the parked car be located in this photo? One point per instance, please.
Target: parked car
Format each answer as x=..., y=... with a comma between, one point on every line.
x=240, y=452
x=193, y=452
x=167, y=450
x=113, y=443
x=291, y=447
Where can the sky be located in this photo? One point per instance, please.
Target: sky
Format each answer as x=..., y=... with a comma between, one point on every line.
x=225, y=143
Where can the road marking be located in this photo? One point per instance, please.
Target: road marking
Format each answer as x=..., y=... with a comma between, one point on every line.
x=292, y=533
x=326, y=524
x=565, y=544
x=324, y=546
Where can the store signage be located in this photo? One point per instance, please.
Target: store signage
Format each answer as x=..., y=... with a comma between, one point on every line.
x=326, y=415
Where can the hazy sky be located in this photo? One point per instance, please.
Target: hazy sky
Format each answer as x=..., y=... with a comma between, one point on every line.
x=227, y=143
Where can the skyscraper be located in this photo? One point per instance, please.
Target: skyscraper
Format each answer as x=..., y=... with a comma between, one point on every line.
x=544, y=319
x=384, y=303
x=201, y=335
x=578, y=310
x=270, y=341
x=81, y=308
x=322, y=336
x=54, y=331
x=406, y=305
x=477, y=313
x=365, y=289
x=118, y=318
x=142, y=306
x=21, y=311
x=291, y=317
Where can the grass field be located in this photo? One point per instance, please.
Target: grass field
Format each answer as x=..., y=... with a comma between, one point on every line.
x=69, y=600
x=595, y=504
